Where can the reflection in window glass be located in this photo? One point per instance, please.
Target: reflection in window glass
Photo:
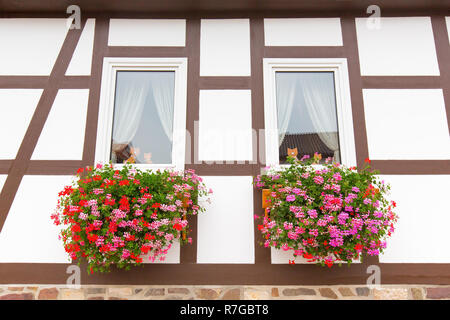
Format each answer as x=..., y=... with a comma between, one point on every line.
x=306, y=110
x=143, y=117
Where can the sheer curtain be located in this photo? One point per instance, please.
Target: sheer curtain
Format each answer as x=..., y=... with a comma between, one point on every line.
x=285, y=89
x=129, y=105
x=320, y=102
x=163, y=94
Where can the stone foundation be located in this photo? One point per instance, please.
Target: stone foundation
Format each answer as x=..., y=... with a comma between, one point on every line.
x=41, y=292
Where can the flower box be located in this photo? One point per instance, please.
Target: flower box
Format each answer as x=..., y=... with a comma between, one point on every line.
x=117, y=217
x=327, y=214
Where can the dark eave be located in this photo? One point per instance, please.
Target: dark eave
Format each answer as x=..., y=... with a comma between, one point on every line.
x=267, y=7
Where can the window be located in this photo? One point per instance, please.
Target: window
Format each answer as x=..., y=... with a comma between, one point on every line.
x=143, y=112
x=307, y=110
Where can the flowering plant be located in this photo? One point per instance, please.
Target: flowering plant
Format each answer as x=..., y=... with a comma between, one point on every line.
x=326, y=213
x=115, y=216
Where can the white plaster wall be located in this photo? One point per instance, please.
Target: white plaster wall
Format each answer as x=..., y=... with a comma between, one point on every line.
x=226, y=229
x=279, y=256
x=80, y=65
x=16, y=110
x=172, y=256
x=421, y=234
x=406, y=124
x=303, y=32
x=147, y=32
x=30, y=46
x=225, y=125
x=447, y=21
x=63, y=135
x=29, y=234
x=225, y=47
x=400, y=47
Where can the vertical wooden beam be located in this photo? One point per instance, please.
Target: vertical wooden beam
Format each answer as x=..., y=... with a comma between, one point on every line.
x=262, y=255
x=99, y=49
x=188, y=254
x=351, y=52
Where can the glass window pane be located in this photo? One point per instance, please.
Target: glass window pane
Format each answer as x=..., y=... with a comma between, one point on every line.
x=306, y=110
x=143, y=117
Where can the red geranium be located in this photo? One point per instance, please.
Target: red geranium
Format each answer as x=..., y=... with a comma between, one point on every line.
x=112, y=217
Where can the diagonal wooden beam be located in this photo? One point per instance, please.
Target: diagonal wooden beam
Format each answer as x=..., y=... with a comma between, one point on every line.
x=20, y=164
x=441, y=40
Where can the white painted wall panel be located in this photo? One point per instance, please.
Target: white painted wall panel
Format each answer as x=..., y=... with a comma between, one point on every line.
x=279, y=256
x=225, y=125
x=147, y=32
x=80, y=64
x=406, y=124
x=226, y=230
x=447, y=21
x=173, y=255
x=421, y=234
x=16, y=110
x=2, y=180
x=400, y=47
x=30, y=46
x=225, y=47
x=29, y=234
x=303, y=32
x=63, y=135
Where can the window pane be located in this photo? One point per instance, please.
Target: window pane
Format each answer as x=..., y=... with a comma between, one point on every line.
x=143, y=117
x=306, y=109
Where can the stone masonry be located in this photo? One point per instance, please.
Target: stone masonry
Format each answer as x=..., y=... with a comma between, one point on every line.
x=391, y=292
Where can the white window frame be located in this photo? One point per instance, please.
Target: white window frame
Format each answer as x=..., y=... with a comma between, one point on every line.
x=343, y=103
x=106, y=109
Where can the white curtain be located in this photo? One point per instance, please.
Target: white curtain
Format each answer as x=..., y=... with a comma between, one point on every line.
x=286, y=86
x=321, y=105
x=129, y=105
x=163, y=94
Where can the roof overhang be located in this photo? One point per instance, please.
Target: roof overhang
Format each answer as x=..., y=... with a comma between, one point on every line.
x=220, y=6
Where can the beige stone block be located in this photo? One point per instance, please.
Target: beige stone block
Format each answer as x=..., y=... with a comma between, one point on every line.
x=390, y=294
x=257, y=294
x=72, y=294
x=328, y=293
x=121, y=291
x=208, y=294
x=299, y=292
x=417, y=293
x=346, y=292
x=232, y=294
x=178, y=291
